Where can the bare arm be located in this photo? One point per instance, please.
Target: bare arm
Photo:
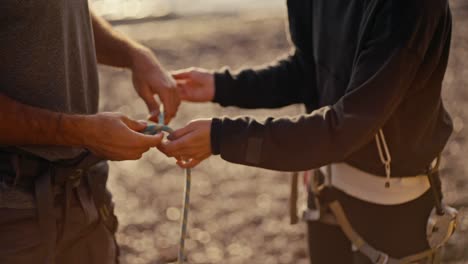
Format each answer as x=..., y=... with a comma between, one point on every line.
x=149, y=77
x=25, y=125
x=112, y=136
x=112, y=47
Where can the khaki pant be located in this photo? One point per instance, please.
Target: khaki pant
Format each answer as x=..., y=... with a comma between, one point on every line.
x=21, y=242
x=80, y=236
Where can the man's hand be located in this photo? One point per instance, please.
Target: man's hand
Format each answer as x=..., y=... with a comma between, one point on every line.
x=189, y=145
x=149, y=79
x=110, y=135
x=195, y=85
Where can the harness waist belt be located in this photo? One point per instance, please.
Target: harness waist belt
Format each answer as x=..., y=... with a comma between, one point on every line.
x=371, y=188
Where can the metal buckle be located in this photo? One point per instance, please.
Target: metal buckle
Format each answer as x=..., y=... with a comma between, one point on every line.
x=311, y=214
x=75, y=177
x=382, y=259
x=317, y=183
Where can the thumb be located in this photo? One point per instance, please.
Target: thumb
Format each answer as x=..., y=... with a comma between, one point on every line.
x=136, y=125
x=181, y=74
x=153, y=140
x=147, y=141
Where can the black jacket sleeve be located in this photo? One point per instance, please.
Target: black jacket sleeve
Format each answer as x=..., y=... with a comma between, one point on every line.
x=285, y=82
x=385, y=67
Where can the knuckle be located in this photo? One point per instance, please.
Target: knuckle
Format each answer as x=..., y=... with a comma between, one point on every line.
x=136, y=156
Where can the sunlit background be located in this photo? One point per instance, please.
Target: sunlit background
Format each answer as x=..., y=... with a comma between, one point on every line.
x=239, y=214
x=141, y=9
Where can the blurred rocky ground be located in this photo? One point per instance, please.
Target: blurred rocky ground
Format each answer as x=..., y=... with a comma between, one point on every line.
x=240, y=214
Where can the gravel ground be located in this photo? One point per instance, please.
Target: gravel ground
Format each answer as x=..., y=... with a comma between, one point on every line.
x=240, y=214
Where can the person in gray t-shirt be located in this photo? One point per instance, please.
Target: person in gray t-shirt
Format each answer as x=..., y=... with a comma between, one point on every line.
x=48, y=114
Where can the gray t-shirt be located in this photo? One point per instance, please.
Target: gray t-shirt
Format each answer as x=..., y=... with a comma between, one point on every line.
x=48, y=59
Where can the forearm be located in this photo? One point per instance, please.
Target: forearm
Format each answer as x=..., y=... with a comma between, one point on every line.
x=287, y=81
x=290, y=144
x=112, y=47
x=26, y=125
x=329, y=134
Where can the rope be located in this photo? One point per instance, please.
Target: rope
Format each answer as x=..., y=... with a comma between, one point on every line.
x=186, y=208
x=157, y=128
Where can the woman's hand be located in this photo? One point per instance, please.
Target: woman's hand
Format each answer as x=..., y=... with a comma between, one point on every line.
x=195, y=84
x=190, y=145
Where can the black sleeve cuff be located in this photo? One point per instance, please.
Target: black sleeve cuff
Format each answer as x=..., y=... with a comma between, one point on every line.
x=223, y=81
x=215, y=136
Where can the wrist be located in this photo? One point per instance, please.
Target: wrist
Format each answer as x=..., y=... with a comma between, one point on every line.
x=212, y=86
x=137, y=55
x=71, y=130
x=215, y=136
x=220, y=84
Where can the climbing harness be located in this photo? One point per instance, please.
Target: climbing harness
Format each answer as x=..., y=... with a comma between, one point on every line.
x=440, y=226
x=153, y=129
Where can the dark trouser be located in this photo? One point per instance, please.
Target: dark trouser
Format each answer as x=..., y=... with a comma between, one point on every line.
x=398, y=230
x=81, y=235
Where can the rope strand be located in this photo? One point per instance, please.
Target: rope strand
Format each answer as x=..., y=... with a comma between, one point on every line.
x=157, y=128
x=186, y=208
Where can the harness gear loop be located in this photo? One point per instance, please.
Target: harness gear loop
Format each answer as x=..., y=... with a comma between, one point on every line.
x=384, y=154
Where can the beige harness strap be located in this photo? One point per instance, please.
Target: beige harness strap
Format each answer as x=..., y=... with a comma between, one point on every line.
x=375, y=255
x=294, y=218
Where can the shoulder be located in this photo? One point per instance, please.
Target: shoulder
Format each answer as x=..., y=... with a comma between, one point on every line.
x=411, y=10
x=416, y=11
x=410, y=23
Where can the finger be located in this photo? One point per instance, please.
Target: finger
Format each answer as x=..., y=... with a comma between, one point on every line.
x=184, y=91
x=181, y=81
x=135, y=154
x=182, y=74
x=171, y=103
x=136, y=125
x=169, y=149
x=188, y=164
x=154, y=117
x=148, y=97
x=179, y=133
x=180, y=147
x=149, y=140
x=178, y=154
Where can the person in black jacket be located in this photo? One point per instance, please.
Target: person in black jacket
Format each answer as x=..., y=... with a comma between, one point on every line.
x=358, y=66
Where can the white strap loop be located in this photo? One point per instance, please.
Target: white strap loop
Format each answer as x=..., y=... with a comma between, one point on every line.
x=384, y=154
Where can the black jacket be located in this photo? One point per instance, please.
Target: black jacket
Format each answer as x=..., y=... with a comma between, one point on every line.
x=358, y=66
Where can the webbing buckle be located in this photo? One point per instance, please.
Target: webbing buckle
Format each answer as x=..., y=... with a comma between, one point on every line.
x=311, y=214
x=75, y=177
x=382, y=259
